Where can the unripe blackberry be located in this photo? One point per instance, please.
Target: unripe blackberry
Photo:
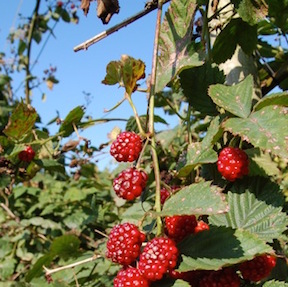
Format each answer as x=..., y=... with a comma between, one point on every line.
x=232, y=163
x=130, y=183
x=27, y=155
x=130, y=277
x=126, y=147
x=159, y=256
x=179, y=226
x=258, y=268
x=124, y=243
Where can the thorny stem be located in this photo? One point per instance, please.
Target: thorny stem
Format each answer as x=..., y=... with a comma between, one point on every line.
x=29, y=40
x=151, y=117
x=51, y=271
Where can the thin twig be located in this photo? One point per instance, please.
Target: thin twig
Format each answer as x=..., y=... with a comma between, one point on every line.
x=51, y=271
x=85, y=45
x=9, y=212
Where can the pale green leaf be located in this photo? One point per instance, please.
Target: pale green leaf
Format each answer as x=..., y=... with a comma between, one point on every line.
x=235, y=99
x=218, y=247
x=264, y=129
x=274, y=283
x=176, y=49
x=198, y=198
x=280, y=99
x=246, y=212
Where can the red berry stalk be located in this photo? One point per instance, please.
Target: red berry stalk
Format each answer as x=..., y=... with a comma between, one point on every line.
x=233, y=163
x=126, y=147
x=124, y=243
x=130, y=183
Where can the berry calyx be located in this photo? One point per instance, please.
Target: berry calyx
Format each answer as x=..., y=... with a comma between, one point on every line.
x=258, y=268
x=124, y=243
x=232, y=163
x=158, y=256
x=223, y=278
x=201, y=225
x=130, y=277
x=27, y=155
x=130, y=183
x=179, y=226
x=126, y=147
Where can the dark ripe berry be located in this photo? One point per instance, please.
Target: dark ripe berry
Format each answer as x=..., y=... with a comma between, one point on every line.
x=124, y=243
x=258, y=268
x=201, y=225
x=59, y=3
x=232, y=163
x=159, y=256
x=164, y=193
x=130, y=183
x=223, y=278
x=179, y=226
x=27, y=154
x=126, y=147
x=130, y=277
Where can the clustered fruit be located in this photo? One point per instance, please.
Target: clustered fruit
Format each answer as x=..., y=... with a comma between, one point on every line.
x=232, y=163
x=144, y=263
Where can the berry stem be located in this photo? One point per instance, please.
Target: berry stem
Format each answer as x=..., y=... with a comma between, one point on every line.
x=136, y=114
x=151, y=118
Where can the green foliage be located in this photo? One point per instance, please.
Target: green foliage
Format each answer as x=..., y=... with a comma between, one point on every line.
x=57, y=209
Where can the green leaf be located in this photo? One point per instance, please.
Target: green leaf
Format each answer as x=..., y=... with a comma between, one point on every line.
x=37, y=269
x=126, y=72
x=218, y=247
x=50, y=164
x=7, y=267
x=234, y=99
x=74, y=117
x=74, y=194
x=20, y=122
x=195, y=82
x=246, y=212
x=21, y=47
x=65, y=246
x=235, y=32
x=181, y=283
x=198, y=198
x=177, y=51
x=136, y=211
x=40, y=221
x=278, y=10
x=280, y=99
x=264, y=129
x=273, y=283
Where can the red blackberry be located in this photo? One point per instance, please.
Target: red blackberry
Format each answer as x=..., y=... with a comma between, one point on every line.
x=126, y=147
x=159, y=256
x=27, y=154
x=193, y=277
x=130, y=277
x=124, y=243
x=164, y=193
x=201, y=225
x=223, y=278
x=179, y=226
x=232, y=163
x=130, y=183
x=257, y=268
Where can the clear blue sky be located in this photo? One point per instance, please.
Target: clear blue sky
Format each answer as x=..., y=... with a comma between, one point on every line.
x=83, y=71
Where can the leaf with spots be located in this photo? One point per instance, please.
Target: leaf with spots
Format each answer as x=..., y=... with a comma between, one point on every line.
x=280, y=99
x=264, y=129
x=20, y=122
x=235, y=99
x=198, y=198
x=176, y=50
x=218, y=247
x=246, y=212
x=126, y=72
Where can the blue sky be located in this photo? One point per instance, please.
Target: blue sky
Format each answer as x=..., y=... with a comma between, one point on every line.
x=82, y=72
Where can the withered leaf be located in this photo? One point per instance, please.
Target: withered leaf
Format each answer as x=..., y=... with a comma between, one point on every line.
x=106, y=9
x=85, y=4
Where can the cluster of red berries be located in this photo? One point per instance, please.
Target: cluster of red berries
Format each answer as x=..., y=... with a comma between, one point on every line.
x=232, y=163
x=27, y=155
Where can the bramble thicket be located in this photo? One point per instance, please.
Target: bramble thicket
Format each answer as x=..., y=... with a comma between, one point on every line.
x=203, y=204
